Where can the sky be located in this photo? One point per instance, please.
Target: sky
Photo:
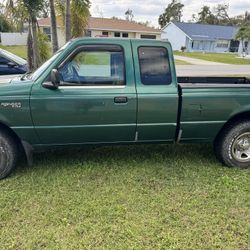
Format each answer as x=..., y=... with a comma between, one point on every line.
x=149, y=10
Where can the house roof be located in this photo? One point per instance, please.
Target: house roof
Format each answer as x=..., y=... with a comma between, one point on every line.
x=45, y=22
x=118, y=24
x=96, y=23
x=207, y=31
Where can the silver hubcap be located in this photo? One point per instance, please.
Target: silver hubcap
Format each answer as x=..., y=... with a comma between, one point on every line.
x=241, y=148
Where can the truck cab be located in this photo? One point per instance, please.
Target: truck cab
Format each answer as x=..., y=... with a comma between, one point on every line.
x=108, y=91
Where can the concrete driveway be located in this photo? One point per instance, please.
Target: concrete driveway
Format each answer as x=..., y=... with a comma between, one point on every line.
x=207, y=68
x=212, y=70
x=195, y=61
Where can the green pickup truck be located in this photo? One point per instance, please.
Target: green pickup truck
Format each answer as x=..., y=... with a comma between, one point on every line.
x=121, y=91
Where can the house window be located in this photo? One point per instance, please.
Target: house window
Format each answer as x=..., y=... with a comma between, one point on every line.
x=105, y=33
x=117, y=34
x=88, y=33
x=148, y=36
x=222, y=44
x=47, y=31
x=125, y=35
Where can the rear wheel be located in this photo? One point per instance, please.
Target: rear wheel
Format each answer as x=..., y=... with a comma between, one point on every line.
x=8, y=154
x=232, y=147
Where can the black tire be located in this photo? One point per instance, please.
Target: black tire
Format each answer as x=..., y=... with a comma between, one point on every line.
x=230, y=147
x=8, y=154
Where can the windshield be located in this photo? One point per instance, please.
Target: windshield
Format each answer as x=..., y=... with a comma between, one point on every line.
x=13, y=57
x=44, y=66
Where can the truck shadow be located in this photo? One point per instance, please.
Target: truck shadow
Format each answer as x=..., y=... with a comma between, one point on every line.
x=144, y=155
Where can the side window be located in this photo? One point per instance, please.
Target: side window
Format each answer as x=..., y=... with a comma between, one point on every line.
x=94, y=66
x=154, y=66
x=3, y=60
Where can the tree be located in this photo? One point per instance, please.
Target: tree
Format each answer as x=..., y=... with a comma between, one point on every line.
x=173, y=12
x=80, y=15
x=244, y=36
x=221, y=13
x=129, y=15
x=206, y=16
x=43, y=46
x=46, y=9
x=75, y=14
x=53, y=26
x=60, y=10
x=246, y=20
x=5, y=25
x=33, y=7
x=145, y=23
x=27, y=11
x=67, y=21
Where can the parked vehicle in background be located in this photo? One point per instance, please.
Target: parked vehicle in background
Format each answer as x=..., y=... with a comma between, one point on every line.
x=116, y=91
x=11, y=64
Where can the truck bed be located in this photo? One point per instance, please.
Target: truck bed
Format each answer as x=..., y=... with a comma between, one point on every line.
x=193, y=82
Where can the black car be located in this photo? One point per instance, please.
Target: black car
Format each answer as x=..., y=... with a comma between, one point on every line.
x=11, y=64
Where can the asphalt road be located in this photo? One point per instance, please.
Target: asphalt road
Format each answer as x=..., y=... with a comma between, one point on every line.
x=212, y=70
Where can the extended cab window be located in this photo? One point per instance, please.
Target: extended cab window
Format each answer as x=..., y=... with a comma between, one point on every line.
x=154, y=66
x=94, y=65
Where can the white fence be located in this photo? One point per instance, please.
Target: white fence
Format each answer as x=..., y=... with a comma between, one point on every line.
x=14, y=38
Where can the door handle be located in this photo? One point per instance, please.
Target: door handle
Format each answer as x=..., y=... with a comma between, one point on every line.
x=121, y=99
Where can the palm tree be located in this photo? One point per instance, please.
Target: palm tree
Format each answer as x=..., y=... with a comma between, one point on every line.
x=244, y=35
x=75, y=14
x=79, y=16
x=27, y=11
x=53, y=26
x=68, y=21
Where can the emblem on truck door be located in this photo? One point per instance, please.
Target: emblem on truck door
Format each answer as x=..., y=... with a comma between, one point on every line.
x=11, y=104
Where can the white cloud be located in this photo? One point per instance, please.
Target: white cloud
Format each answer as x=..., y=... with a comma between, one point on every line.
x=149, y=10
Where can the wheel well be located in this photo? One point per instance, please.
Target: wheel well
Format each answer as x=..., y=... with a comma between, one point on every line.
x=24, y=147
x=8, y=130
x=234, y=119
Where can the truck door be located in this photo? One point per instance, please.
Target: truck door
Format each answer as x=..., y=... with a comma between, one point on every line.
x=95, y=101
x=157, y=90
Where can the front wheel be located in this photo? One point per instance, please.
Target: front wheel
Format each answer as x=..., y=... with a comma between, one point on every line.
x=233, y=145
x=8, y=154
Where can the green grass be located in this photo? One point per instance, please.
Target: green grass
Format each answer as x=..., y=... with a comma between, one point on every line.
x=229, y=58
x=17, y=50
x=126, y=197
x=181, y=62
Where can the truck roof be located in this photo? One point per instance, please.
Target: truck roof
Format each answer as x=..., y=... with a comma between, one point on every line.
x=104, y=39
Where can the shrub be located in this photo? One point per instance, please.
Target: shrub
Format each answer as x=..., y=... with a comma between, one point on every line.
x=183, y=48
x=43, y=46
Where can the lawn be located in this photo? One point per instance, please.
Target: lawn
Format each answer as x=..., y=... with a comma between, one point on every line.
x=180, y=62
x=229, y=58
x=17, y=50
x=126, y=197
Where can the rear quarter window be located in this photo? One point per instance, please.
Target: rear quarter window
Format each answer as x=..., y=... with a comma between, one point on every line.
x=154, y=66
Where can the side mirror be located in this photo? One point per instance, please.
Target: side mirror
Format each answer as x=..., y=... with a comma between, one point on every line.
x=55, y=77
x=54, y=80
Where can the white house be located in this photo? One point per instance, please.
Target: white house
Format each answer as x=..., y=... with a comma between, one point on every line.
x=120, y=28
x=105, y=27
x=201, y=37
